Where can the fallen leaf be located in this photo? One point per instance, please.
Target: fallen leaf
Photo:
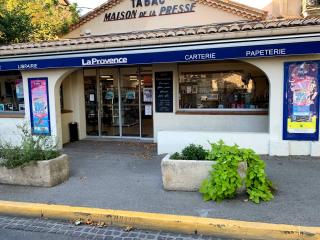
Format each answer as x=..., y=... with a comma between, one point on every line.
x=128, y=229
x=78, y=222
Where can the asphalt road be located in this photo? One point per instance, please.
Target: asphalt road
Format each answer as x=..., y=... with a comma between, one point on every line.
x=127, y=176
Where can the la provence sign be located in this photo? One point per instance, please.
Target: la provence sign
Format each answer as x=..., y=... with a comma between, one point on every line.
x=151, y=56
x=149, y=8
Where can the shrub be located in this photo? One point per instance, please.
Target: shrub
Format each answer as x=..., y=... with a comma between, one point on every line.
x=191, y=152
x=224, y=180
x=32, y=148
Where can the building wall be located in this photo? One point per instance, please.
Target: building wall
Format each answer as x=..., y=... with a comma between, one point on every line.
x=286, y=8
x=9, y=131
x=274, y=69
x=72, y=80
x=211, y=123
x=203, y=14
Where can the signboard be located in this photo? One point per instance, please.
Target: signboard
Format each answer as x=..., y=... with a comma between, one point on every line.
x=174, y=54
x=39, y=106
x=164, y=92
x=301, y=101
x=150, y=8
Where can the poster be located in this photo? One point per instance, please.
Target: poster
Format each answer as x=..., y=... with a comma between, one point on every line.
x=19, y=89
x=39, y=106
x=148, y=110
x=147, y=95
x=301, y=101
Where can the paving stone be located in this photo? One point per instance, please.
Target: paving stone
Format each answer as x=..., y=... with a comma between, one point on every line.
x=88, y=232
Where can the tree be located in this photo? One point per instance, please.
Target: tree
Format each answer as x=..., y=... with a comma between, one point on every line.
x=15, y=26
x=34, y=20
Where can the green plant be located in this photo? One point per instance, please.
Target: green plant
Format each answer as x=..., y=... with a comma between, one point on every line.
x=32, y=148
x=191, y=152
x=224, y=180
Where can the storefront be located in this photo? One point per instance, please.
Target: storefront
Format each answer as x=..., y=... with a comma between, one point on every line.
x=130, y=71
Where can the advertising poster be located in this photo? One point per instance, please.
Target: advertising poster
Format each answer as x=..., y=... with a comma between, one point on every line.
x=147, y=95
x=39, y=106
x=19, y=89
x=301, y=103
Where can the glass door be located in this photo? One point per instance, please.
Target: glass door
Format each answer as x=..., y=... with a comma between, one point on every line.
x=119, y=102
x=130, y=103
x=109, y=105
x=146, y=104
x=91, y=102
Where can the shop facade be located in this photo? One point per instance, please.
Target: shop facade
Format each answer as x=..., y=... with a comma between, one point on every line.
x=133, y=70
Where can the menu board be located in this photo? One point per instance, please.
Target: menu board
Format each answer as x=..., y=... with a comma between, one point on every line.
x=164, y=92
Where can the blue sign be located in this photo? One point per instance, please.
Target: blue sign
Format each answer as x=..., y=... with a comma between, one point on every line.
x=301, y=101
x=162, y=55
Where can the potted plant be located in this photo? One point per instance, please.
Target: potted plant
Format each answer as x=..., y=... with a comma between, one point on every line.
x=220, y=173
x=186, y=171
x=36, y=161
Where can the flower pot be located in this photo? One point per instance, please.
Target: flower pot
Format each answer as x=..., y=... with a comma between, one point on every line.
x=47, y=173
x=187, y=175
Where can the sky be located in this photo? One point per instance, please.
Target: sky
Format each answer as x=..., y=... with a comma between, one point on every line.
x=89, y=5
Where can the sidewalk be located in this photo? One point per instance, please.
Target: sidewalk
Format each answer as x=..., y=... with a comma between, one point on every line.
x=127, y=176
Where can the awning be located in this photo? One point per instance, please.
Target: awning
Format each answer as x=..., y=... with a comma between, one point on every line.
x=192, y=52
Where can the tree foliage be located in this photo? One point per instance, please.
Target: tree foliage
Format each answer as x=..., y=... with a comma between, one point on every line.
x=34, y=20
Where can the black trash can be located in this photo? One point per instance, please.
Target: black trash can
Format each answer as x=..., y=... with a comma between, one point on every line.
x=73, y=131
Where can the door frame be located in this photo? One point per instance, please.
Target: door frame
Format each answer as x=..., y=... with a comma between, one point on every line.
x=99, y=96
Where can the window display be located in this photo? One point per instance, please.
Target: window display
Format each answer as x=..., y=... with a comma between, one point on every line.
x=11, y=92
x=223, y=90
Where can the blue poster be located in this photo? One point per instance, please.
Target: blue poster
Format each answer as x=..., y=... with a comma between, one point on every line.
x=39, y=106
x=301, y=101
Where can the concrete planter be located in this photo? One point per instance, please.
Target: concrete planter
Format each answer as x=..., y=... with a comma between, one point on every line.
x=39, y=173
x=187, y=175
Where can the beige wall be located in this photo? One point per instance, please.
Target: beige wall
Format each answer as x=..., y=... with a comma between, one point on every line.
x=203, y=14
x=286, y=8
x=74, y=105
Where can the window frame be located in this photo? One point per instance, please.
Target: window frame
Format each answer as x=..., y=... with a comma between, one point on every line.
x=215, y=111
x=7, y=76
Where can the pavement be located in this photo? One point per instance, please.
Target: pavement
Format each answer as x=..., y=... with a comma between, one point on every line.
x=127, y=176
x=17, y=228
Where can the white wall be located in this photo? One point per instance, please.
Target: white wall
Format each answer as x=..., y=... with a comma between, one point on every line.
x=233, y=127
x=210, y=123
x=55, y=77
x=9, y=131
x=274, y=68
x=175, y=141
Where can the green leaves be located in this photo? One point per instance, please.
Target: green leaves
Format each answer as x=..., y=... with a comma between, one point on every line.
x=32, y=148
x=191, y=152
x=34, y=20
x=224, y=179
x=15, y=26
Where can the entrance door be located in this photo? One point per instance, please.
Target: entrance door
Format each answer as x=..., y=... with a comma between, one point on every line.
x=119, y=102
x=136, y=102
x=109, y=105
x=130, y=104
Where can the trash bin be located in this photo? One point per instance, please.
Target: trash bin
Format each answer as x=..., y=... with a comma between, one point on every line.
x=73, y=131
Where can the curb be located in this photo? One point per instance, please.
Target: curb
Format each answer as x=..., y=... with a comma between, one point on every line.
x=152, y=221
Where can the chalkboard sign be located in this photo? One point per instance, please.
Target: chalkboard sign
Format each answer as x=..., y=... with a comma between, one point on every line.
x=164, y=92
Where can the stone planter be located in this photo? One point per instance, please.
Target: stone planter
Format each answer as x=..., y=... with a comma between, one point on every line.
x=187, y=175
x=39, y=173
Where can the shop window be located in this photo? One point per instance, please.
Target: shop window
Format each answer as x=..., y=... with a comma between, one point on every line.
x=235, y=90
x=11, y=92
